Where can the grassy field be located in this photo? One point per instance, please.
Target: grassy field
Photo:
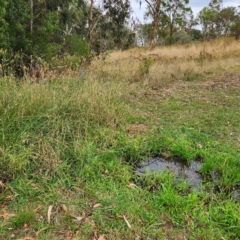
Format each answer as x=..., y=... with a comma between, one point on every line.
x=69, y=147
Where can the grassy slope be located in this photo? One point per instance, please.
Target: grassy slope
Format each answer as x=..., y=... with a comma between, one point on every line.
x=73, y=143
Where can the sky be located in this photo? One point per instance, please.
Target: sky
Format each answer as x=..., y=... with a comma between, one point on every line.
x=196, y=6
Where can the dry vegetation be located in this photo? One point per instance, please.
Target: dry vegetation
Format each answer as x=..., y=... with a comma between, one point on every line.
x=170, y=63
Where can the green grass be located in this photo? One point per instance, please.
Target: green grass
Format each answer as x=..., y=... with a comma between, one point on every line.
x=78, y=144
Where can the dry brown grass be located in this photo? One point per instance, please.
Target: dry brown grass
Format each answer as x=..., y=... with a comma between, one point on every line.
x=214, y=49
x=171, y=63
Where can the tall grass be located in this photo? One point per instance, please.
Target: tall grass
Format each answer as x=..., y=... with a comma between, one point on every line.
x=171, y=63
x=39, y=121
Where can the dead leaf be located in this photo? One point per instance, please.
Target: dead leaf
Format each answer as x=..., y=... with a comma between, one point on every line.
x=8, y=198
x=128, y=224
x=199, y=146
x=3, y=205
x=64, y=208
x=49, y=213
x=132, y=185
x=101, y=238
x=92, y=223
x=151, y=187
x=79, y=219
x=6, y=224
x=35, y=186
x=5, y=215
x=37, y=209
x=41, y=230
x=2, y=185
x=25, y=225
x=188, y=219
x=165, y=155
x=97, y=205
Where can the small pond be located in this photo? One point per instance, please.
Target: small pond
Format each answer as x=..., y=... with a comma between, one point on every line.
x=182, y=170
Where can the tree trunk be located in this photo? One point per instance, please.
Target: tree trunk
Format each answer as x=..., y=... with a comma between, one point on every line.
x=155, y=22
x=90, y=20
x=171, y=34
x=31, y=21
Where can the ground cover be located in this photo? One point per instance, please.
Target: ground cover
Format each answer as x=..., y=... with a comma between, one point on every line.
x=69, y=147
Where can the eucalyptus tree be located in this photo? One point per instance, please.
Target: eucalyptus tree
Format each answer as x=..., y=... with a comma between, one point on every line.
x=175, y=15
x=153, y=9
x=235, y=29
x=207, y=18
x=226, y=18
x=216, y=5
x=211, y=19
x=118, y=13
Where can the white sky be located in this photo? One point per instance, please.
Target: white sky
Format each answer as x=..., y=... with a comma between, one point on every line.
x=196, y=6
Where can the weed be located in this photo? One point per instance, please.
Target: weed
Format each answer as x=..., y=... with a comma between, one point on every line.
x=24, y=217
x=191, y=77
x=202, y=55
x=145, y=67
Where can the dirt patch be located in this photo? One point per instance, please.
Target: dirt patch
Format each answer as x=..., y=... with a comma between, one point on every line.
x=225, y=81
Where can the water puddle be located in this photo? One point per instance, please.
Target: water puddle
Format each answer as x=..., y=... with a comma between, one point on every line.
x=236, y=195
x=182, y=170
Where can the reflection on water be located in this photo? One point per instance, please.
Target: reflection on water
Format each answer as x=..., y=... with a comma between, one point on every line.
x=180, y=169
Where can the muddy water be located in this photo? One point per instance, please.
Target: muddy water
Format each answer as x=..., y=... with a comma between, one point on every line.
x=182, y=170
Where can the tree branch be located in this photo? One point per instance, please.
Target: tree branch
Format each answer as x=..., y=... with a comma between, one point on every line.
x=149, y=4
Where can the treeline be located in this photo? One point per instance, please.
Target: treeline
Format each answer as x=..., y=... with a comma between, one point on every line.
x=174, y=22
x=70, y=32
x=37, y=31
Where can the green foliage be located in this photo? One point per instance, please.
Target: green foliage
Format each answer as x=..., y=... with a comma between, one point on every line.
x=170, y=40
x=43, y=44
x=18, y=20
x=182, y=37
x=174, y=15
x=75, y=45
x=206, y=18
x=145, y=67
x=202, y=56
x=225, y=19
x=216, y=20
x=3, y=24
x=118, y=12
x=196, y=34
x=191, y=77
x=40, y=32
x=13, y=160
x=24, y=217
x=235, y=29
x=12, y=64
